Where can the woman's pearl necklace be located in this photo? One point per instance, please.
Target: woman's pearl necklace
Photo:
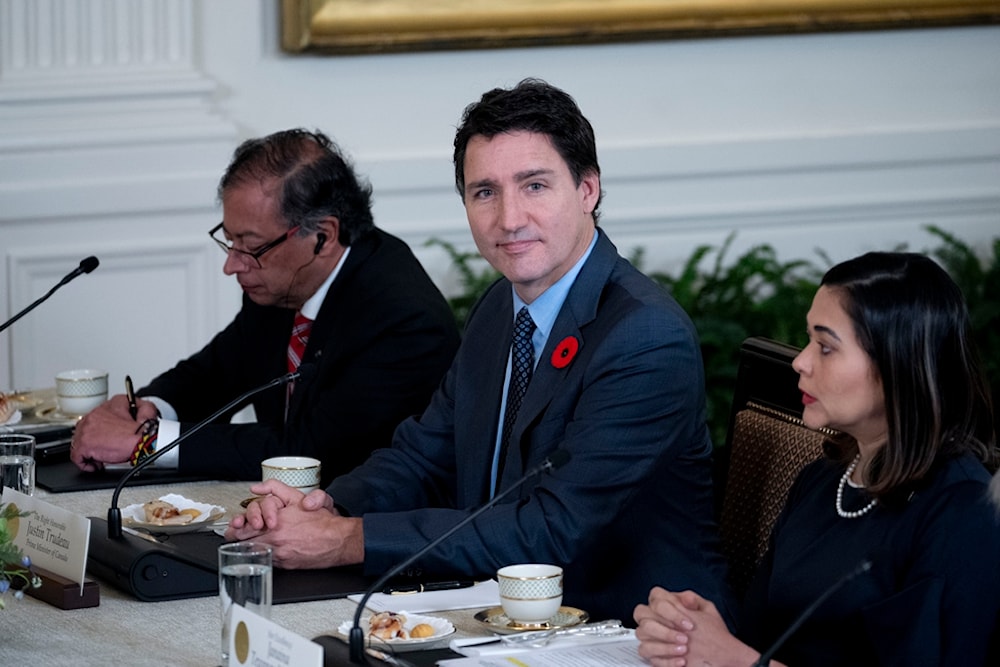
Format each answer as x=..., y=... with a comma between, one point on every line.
x=840, y=494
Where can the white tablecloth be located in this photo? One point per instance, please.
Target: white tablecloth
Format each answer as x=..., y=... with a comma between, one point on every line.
x=123, y=631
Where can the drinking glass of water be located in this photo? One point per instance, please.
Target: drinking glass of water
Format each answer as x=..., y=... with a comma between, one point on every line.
x=17, y=462
x=244, y=579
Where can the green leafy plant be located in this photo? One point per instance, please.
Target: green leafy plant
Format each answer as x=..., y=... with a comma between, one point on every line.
x=729, y=301
x=979, y=281
x=474, y=275
x=15, y=568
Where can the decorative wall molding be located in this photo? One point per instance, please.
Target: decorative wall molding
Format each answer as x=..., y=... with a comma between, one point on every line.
x=109, y=318
x=741, y=183
x=90, y=73
x=65, y=39
x=109, y=134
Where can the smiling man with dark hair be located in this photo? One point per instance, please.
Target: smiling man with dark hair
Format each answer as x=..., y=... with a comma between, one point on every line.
x=573, y=349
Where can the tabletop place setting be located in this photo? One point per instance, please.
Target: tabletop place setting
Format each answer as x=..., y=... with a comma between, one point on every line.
x=404, y=622
x=529, y=618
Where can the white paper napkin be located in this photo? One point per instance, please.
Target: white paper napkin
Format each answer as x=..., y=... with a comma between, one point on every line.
x=483, y=594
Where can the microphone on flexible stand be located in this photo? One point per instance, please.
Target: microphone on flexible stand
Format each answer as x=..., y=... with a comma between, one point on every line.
x=86, y=266
x=765, y=657
x=304, y=372
x=356, y=639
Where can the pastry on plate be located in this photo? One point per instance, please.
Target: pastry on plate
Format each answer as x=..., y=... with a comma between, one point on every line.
x=162, y=513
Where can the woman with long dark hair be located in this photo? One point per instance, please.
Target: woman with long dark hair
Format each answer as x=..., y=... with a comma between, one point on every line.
x=891, y=365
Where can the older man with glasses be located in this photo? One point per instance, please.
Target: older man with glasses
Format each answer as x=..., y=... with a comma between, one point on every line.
x=322, y=285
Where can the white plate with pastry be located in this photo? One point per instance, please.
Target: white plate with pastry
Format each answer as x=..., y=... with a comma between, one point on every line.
x=172, y=513
x=401, y=632
x=10, y=409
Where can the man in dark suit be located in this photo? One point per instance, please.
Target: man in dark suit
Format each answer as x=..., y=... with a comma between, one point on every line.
x=615, y=379
x=299, y=237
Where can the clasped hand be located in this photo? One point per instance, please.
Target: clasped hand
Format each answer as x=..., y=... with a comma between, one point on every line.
x=686, y=630
x=304, y=530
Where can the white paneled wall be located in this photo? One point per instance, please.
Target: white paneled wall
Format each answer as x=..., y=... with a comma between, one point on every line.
x=110, y=145
x=118, y=117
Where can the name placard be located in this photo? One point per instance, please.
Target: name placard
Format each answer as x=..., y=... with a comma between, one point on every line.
x=260, y=642
x=53, y=538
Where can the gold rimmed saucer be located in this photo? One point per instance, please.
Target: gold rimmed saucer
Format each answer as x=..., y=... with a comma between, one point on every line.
x=51, y=414
x=496, y=621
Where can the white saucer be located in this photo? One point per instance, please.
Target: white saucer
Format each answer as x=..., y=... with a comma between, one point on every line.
x=496, y=621
x=52, y=414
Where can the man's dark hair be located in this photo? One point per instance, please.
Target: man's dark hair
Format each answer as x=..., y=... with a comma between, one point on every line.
x=316, y=181
x=531, y=106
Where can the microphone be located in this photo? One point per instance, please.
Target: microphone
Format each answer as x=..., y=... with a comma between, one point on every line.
x=86, y=266
x=304, y=372
x=356, y=638
x=765, y=657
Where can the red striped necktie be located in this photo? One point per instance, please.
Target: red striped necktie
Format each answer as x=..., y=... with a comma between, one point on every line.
x=297, y=341
x=296, y=350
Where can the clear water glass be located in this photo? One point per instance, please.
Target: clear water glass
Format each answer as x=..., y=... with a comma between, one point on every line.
x=245, y=579
x=17, y=462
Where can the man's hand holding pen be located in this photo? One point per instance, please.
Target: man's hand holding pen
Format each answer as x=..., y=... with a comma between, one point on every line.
x=107, y=434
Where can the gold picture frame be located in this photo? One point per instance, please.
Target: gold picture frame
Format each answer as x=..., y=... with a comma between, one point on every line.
x=374, y=26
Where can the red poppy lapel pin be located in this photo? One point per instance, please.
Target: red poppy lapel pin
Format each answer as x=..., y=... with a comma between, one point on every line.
x=565, y=351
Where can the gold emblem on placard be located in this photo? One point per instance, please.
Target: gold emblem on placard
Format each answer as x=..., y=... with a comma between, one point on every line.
x=14, y=522
x=241, y=642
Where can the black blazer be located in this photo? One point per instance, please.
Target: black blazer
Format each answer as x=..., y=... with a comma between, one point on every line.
x=382, y=340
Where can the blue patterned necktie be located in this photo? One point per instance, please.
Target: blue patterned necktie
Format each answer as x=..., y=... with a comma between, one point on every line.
x=523, y=363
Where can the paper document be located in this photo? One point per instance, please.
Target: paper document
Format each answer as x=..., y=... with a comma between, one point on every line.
x=474, y=647
x=605, y=654
x=483, y=595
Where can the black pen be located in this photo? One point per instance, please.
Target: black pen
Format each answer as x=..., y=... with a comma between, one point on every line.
x=133, y=409
x=426, y=588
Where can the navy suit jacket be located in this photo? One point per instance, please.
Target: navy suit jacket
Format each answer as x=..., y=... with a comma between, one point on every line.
x=633, y=506
x=382, y=341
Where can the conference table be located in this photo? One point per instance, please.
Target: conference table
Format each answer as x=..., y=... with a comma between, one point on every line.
x=123, y=630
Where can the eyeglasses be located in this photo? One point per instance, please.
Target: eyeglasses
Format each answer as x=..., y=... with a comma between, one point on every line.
x=248, y=255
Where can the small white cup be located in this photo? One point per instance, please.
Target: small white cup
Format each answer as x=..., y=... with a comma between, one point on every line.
x=300, y=472
x=80, y=391
x=530, y=594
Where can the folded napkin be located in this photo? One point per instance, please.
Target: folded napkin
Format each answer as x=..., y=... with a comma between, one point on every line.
x=483, y=594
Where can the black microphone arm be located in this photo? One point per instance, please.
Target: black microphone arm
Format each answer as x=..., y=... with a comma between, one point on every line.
x=357, y=638
x=765, y=657
x=86, y=266
x=305, y=371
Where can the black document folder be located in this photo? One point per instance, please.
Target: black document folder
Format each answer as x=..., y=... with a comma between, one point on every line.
x=185, y=565
x=64, y=477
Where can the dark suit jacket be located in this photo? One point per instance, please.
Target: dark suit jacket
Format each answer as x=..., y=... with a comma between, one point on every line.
x=931, y=597
x=382, y=340
x=633, y=506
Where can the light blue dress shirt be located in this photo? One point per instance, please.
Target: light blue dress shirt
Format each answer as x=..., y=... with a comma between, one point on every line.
x=544, y=311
